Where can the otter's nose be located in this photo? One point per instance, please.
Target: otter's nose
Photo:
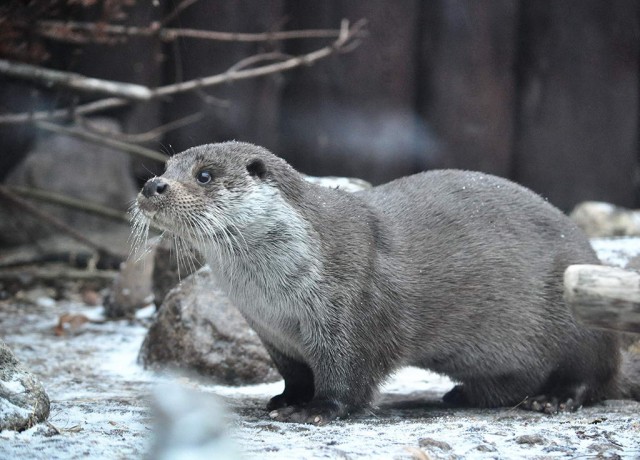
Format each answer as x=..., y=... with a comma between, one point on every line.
x=154, y=187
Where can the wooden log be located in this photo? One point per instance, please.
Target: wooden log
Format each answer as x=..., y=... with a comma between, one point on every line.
x=604, y=297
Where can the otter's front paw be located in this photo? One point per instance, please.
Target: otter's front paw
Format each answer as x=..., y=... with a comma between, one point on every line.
x=318, y=412
x=290, y=397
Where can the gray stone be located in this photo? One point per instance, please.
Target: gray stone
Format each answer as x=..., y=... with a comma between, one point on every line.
x=530, y=439
x=131, y=290
x=23, y=401
x=167, y=272
x=430, y=442
x=348, y=184
x=197, y=328
x=79, y=169
x=599, y=219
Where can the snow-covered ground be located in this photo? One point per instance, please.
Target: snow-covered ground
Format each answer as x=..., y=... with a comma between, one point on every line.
x=101, y=403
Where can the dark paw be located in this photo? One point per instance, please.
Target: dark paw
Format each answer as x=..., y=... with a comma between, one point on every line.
x=318, y=412
x=456, y=396
x=277, y=402
x=289, y=398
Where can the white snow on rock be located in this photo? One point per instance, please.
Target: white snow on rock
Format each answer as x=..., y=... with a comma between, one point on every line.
x=616, y=251
x=14, y=386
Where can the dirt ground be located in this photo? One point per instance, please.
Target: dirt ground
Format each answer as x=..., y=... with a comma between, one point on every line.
x=101, y=403
x=101, y=408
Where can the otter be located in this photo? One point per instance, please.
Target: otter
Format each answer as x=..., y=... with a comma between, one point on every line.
x=453, y=271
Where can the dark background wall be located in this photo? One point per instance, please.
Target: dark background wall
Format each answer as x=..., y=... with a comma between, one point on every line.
x=544, y=92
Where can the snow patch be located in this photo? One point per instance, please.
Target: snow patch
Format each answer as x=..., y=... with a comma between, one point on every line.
x=14, y=386
x=616, y=251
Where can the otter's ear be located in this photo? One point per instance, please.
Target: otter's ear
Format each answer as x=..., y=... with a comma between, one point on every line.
x=257, y=168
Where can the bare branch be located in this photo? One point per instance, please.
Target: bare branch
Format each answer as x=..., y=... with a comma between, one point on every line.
x=344, y=39
x=53, y=221
x=104, y=140
x=59, y=30
x=184, y=4
x=74, y=81
x=344, y=43
x=255, y=59
x=148, y=135
x=70, y=202
x=68, y=112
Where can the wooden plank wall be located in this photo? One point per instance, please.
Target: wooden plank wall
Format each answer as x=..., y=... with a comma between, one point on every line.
x=543, y=92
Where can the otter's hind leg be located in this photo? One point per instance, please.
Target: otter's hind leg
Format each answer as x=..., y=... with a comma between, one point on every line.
x=567, y=400
x=298, y=381
x=500, y=391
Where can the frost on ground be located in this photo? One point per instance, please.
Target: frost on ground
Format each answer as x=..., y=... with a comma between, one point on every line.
x=101, y=399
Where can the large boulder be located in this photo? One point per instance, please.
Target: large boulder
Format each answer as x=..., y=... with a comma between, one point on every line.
x=197, y=328
x=23, y=400
x=76, y=168
x=168, y=270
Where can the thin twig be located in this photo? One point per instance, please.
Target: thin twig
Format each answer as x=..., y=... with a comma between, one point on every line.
x=147, y=136
x=72, y=80
x=104, y=140
x=70, y=202
x=346, y=34
x=58, y=274
x=53, y=221
x=344, y=43
x=65, y=113
x=59, y=30
x=183, y=5
x=252, y=60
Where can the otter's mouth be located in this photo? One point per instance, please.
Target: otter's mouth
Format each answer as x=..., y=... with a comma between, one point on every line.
x=148, y=207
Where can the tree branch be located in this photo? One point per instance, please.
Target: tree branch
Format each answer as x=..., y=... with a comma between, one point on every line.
x=85, y=109
x=345, y=42
x=147, y=136
x=104, y=140
x=53, y=221
x=70, y=202
x=345, y=37
x=74, y=81
x=60, y=31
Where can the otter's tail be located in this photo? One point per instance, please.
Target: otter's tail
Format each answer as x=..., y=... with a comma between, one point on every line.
x=629, y=382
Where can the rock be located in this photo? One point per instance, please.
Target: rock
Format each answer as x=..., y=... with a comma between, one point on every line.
x=131, y=290
x=599, y=219
x=530, y=439
x=348, y=184
x=167, y=272
x=197, y=328
x=430, y=442
x=79, y=169
x=23, y=401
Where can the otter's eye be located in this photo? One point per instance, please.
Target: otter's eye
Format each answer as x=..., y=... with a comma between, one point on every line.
x=204, y=177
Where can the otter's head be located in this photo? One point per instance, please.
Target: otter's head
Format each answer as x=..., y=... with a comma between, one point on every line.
x=214, y=196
